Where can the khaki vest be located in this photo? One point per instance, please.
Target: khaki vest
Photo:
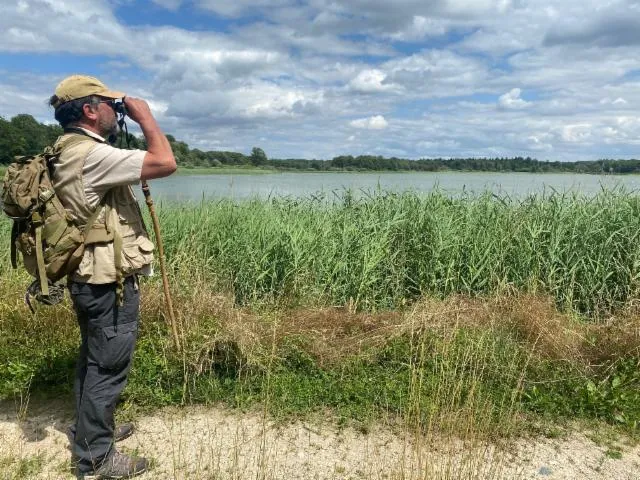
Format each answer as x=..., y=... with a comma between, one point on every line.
x=119, y=223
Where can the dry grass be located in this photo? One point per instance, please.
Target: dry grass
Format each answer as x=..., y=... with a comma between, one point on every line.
x=216, y=331
x=210, y=324
x=334, y=333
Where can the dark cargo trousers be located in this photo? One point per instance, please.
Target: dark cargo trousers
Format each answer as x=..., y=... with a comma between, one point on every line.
x=109, y=335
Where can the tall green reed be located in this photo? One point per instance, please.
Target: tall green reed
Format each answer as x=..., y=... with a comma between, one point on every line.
x=384, y=250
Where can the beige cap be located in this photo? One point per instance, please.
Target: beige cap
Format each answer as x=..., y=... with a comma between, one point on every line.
x=78, y=86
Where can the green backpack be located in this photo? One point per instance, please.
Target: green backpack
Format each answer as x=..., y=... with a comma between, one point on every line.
x=51, y=244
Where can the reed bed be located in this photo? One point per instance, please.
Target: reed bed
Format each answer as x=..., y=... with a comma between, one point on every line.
x=386, y=250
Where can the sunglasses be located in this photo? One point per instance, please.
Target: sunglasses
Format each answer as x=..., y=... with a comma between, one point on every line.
x=117, y=106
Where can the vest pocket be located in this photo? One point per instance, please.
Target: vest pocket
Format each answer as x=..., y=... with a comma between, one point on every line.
x=85, y=268
x=136, y=254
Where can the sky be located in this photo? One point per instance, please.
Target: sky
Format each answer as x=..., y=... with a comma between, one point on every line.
x=320, y=78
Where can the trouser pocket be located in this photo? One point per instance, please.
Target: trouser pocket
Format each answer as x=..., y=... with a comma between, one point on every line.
x=115, y=345
x=111, y=329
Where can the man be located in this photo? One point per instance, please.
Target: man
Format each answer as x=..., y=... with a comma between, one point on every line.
x=93, y=181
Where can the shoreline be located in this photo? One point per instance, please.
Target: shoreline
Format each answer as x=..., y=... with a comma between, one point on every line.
x=215, y=442
x=185, y=171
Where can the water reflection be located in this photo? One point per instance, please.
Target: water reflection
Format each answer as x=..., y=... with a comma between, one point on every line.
x=324, y=185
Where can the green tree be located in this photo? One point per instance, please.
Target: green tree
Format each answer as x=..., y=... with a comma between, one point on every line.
x=258, y=157
x=33, y=132
x=12, y=142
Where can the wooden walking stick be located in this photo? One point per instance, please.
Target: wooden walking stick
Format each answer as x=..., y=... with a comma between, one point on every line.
x=163, y=268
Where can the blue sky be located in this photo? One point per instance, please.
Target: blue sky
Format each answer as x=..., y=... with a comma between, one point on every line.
x=320, y=78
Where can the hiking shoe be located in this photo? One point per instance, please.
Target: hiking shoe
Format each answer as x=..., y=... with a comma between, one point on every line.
x=117, y=465
x=121, y=432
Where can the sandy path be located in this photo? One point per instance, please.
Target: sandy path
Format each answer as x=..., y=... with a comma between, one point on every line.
x=213, y=443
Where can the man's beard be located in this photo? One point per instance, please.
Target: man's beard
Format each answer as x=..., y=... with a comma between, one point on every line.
x=109, y=130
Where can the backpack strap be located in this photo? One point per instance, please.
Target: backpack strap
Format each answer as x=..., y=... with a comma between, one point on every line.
x=14, y=248
x=91, y=220
x=42, y=271
x=117, y=251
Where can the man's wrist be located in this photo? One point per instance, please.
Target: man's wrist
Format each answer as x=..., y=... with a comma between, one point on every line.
x=148, y=122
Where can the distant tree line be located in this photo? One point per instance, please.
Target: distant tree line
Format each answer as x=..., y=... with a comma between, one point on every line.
x=497, y=164
x=24, y=135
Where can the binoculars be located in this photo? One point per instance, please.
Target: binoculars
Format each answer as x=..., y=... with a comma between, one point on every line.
x=119, y=107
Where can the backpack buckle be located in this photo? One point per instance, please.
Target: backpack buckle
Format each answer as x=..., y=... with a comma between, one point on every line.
x=36, y=219
x=46, y=195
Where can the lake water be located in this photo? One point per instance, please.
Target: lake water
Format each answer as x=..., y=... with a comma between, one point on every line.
x=197, y=187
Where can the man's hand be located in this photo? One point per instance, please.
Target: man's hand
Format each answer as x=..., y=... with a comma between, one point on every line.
x=159, y=161
x=137, y=109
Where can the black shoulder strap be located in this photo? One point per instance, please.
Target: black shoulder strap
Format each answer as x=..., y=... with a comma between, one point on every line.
x=14, y=237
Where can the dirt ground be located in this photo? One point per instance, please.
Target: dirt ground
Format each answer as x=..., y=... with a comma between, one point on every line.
x=214, y=443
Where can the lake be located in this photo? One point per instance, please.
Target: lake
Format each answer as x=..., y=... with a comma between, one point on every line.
x=291, y=184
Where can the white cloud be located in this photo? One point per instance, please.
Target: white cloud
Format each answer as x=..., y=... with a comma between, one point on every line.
x=497, y=41
x=419, y=28
x=512, y=100
x=537, y=143
x=52, y=26
x=438, y=145
x=435, y=73
x=376, y=122
x=278, y=104
x=576, y=133
x=477, y=7
x=370, y=81
x=249, y=103
x=618, y=101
